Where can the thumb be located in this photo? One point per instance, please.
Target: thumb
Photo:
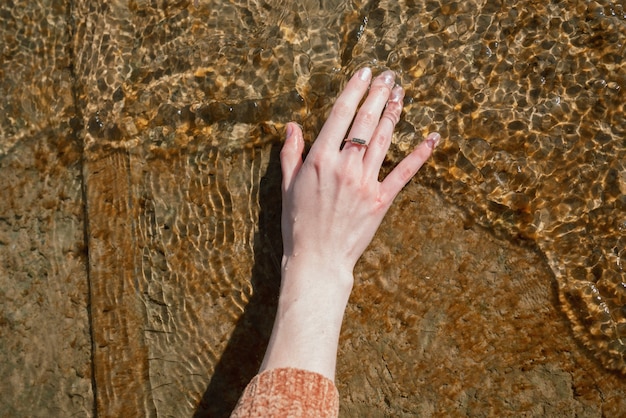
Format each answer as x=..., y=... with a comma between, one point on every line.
x=291, y=154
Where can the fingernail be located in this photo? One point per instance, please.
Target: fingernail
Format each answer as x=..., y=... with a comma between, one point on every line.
x=432, y=140
x=289, y=130
x=389, y=77
x=365, y=73
x=396, y=94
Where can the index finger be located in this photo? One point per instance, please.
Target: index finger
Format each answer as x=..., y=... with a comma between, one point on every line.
x=334, y=130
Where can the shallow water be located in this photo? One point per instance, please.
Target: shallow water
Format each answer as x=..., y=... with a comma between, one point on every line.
x=530, y=101
x=177, y=105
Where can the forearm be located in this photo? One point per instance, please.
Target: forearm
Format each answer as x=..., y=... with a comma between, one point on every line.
x=313, y=298
x=332, y=205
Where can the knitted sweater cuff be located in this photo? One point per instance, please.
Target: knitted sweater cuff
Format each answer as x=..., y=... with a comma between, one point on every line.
x=288, y=392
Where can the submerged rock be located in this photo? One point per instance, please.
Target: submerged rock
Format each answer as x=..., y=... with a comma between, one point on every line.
x=172, y=115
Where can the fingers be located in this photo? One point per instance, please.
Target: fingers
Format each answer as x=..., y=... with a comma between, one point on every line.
x=368, y=117
x=334, y=130
x=381, y=139
x=291, y=154
x=407, y=168
x=374, y=124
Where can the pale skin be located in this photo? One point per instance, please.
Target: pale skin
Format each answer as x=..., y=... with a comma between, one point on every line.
x=333, y=203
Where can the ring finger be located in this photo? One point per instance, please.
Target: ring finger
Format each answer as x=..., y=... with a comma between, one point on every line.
x=368, y=116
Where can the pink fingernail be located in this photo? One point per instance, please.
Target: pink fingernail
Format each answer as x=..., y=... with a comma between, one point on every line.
x=365, y=73
x=432, y=140
x=396, y=94
x=389, y=77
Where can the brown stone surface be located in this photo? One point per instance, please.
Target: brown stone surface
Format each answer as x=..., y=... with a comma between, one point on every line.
x=171, y=268
x=179, y=109
x=450, y=320
x=36, y=84
x=45, y=344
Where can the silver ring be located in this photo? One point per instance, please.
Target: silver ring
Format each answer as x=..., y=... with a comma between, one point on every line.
x=359, y=141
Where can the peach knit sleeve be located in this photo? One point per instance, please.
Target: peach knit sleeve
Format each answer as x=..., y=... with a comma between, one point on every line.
x=288, y=393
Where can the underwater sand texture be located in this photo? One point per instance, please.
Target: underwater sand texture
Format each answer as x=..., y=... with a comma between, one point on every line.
x=180, y=107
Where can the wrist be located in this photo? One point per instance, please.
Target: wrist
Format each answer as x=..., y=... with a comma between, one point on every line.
x=313, y=298
x=314, y=295
x=308, y=278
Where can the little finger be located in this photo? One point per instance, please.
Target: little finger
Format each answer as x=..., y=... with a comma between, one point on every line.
x=407, y=168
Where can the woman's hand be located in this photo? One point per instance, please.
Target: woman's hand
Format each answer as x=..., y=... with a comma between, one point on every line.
x=333, y=202
x=332, y=205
